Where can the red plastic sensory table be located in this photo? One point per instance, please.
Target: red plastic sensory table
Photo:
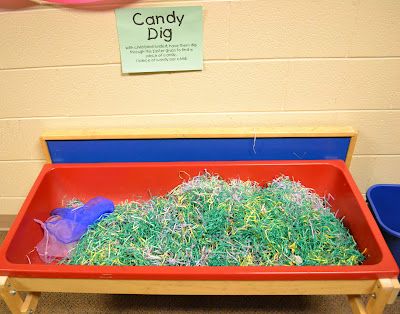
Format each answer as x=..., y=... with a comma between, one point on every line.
x=121, y=163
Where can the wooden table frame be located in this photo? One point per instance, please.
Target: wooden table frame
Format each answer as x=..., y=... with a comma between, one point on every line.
x=381, y=291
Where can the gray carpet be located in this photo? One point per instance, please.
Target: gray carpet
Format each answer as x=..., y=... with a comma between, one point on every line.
x=99, y=303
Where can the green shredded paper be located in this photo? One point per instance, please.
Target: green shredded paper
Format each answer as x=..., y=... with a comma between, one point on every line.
x=208, y=221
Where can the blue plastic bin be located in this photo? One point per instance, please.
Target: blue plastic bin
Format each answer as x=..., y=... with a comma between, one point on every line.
x=384, y=200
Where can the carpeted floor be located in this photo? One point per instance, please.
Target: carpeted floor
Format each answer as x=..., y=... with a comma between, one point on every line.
x=99, y=303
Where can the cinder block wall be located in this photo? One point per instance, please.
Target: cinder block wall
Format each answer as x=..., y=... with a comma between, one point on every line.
x=267, y=63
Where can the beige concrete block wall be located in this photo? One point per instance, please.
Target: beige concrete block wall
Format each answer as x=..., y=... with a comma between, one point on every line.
x=267, y=63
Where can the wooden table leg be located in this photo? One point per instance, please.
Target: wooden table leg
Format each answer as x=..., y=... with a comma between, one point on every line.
x=356, y=304
x=30, y=302
x=13, y=299
x=385, y=292
x=10, y=296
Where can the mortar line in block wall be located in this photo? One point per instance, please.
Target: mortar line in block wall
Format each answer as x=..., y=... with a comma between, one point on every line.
x=11, y=197
x=302, y=59
x=376, y=155
x=206, y=61
x=22, y=160
x=237, y=113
